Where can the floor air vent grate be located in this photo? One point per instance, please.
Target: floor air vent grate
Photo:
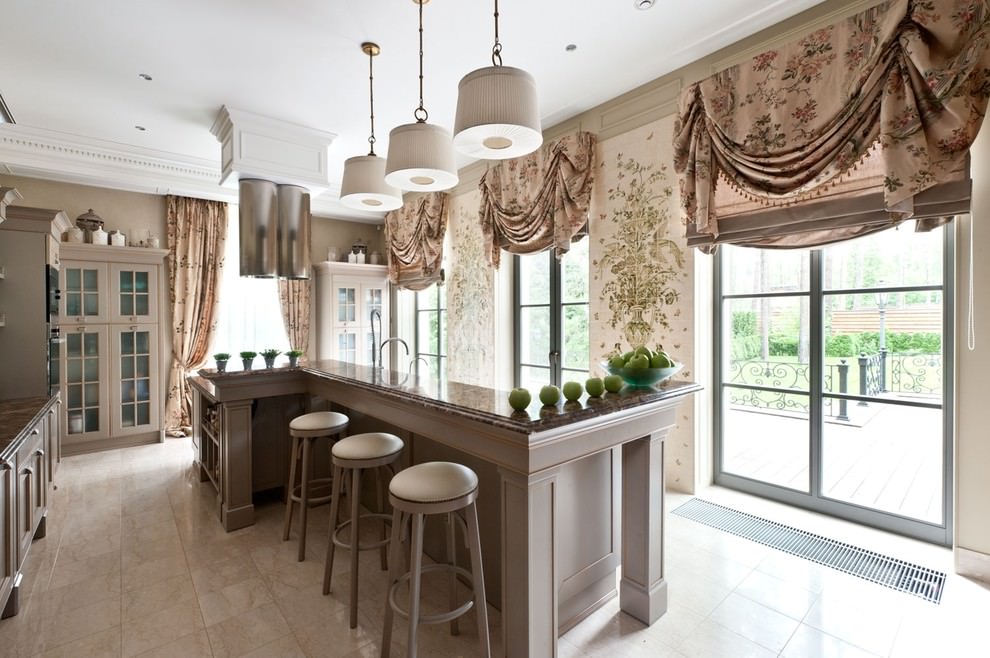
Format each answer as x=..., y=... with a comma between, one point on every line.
x=890, y=572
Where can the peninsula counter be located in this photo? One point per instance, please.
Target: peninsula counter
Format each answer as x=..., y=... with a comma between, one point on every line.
x=548, y=519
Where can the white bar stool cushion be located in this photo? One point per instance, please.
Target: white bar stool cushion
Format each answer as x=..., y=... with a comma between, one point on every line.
x=318, y=423
x=433, y=482
x=362, y=447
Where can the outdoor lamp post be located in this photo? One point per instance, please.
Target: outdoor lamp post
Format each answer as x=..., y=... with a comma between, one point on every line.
x=882, y=297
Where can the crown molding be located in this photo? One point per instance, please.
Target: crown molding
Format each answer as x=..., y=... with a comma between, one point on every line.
x=52, y=155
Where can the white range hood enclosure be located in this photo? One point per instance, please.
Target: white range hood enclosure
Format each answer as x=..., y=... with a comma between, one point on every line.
x=255, y=146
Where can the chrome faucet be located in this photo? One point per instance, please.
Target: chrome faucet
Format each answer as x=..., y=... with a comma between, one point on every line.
x=381, y=362
x=374, y=337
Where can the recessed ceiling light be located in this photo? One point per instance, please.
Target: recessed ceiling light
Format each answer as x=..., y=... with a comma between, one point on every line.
x=144, y=76
x=140, y=128
x=570, y=47
x=644, y=4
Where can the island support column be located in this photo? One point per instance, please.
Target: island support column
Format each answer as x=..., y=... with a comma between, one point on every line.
x=529, y=563
x=236, y=506
x=642, y=589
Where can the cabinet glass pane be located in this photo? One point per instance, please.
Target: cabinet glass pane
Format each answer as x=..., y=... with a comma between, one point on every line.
x=346, y=304
x=126, y=305
x=89, y=279
x=92, y=395
x=126, y=281
x=75, y=421
x=142, y=390
x=127, y=368
x=82, y=368
x=73, y=345
x=73, y=371
x=91, y=303
x=144, y=413
x=142, y=369
x=73, y=303
x=92, y=420
x=127, y=343
x=92, y=344
x=127, y=416
x=73, y=280
x=141, y=305
x=141, y=282
x=74, y=395
x=127, y=391
x=141, y=342
x=91, y=369
x=373, y=300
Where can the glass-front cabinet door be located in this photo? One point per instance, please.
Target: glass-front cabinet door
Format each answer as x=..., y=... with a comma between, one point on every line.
x=134, y=297
x=347, y=346
x=84, y=298
x=345, y=312
x=134, y=379
x=85, y=382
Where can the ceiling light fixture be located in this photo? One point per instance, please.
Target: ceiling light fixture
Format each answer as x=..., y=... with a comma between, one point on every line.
x=644, y=4
x=145, y=77
x=363, y=186
x=498, y=115
x=420, y=155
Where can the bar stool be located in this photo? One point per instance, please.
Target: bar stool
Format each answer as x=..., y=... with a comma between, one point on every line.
x=354, y=454
x=305, y=430
x=434, y=488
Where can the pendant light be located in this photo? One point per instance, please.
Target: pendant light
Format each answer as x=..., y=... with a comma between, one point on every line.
x=420, y=155
x=498, y=116
x=363, y=186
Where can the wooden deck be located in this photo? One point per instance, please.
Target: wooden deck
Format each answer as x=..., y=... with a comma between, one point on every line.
x=887, y=457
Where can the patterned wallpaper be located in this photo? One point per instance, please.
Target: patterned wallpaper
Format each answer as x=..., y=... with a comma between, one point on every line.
x=642, y=283
x=470, y=295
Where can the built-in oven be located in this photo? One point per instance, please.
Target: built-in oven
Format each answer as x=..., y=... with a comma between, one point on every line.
x=54, y=331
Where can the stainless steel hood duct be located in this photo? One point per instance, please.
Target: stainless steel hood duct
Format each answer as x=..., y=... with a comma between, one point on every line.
x=275, y=229
x=293, y=232
x=258, y=212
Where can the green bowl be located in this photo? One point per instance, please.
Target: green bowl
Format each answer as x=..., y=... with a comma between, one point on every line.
x=643, y=376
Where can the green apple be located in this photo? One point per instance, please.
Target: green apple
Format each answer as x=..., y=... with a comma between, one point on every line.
x=572, y=390
x=595, y=387
x=661, y=360
x=644, y=350
x=627, y=355
x=613, y=383
x=519, y=398
x=638, y=362
x=617, y=362
x=549, y=395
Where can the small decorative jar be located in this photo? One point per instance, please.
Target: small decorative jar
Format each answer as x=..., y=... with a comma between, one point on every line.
x=74, y=234
x=375, y=258
x=117, y=239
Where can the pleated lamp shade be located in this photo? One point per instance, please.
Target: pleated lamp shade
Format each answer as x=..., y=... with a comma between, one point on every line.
x=498, y=116
x=420, y=158
x=363, y=185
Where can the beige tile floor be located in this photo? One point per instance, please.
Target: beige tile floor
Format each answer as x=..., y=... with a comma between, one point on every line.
x=135, y=564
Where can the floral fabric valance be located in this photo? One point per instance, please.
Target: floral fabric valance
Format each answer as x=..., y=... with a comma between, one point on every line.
x=538, y=201
x=414, y=241
x=911, y=78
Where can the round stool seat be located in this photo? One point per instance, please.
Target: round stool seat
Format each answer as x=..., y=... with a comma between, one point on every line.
x=363, y=447
x=433, y=482
x=318, y=423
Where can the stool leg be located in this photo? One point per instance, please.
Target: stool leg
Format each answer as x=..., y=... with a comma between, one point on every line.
x=478, y=578
x=338, y=475
x=416, y=557
x=380, y=490
x=452, y=560
x=393, y=575
x=355, y=540
x=287, y=525
x=304, y=497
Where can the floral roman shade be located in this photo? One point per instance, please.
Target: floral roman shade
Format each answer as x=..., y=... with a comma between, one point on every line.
x=197, y=232
x=895, y=93
x=538, y=201
x=414, y=241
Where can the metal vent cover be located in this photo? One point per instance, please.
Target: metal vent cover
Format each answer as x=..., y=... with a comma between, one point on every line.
x=872, y=566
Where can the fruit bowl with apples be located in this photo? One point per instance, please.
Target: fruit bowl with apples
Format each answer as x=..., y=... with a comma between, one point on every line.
x=642, y=366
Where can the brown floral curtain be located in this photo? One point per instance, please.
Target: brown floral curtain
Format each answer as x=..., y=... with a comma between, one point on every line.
x=414, y=241
x=293, y=297
x=538, y=201
x=909, y=79
x=197, y=231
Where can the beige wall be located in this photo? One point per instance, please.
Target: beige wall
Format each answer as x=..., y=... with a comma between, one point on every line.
x=328, y=232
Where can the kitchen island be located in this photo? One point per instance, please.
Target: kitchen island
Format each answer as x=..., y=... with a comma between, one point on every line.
x=564, y=476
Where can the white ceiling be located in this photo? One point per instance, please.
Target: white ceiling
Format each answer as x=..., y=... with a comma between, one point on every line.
x=70, y=73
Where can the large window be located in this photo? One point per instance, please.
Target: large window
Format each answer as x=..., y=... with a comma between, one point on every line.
x=249, y=317
x=835, y=374
x=551, y=318
x=431, y=328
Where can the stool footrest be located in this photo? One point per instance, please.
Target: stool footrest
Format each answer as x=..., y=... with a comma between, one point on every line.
x=440, y=617
x=361, y=547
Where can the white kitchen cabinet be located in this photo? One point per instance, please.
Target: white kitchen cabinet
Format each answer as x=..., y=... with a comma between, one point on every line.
x=112, y=363
x=346, y=295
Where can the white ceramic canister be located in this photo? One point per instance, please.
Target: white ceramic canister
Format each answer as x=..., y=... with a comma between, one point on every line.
x=98, y=236
x=117, y=239
x=74, y=234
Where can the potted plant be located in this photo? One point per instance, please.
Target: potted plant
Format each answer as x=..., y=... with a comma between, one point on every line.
x=269, y=356
x=294, y=357
x=221, y=358
x=247, y=358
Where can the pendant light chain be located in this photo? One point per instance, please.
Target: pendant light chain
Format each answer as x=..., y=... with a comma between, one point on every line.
x=371, y=97
x=497, y=48
x=421, y=114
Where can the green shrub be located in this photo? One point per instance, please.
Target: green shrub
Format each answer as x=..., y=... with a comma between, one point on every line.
x=744, y=323
x=745, y=348
x=841, y=345
x=783, y=345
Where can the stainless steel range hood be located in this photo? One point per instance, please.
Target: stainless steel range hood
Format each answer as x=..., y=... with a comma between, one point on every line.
x=275, y=226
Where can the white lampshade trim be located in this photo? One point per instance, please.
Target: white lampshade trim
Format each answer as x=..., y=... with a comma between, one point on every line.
x=420, y=158
x=363, y=185
x=498, y=116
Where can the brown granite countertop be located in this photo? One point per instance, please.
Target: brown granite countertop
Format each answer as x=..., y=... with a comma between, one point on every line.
x=17, y=414
x=483, y=404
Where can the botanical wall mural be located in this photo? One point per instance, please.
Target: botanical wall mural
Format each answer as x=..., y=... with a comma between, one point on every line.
x=642, y=283
x=470, y=296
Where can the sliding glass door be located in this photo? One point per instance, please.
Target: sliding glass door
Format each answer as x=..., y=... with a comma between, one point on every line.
x=834, y=376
